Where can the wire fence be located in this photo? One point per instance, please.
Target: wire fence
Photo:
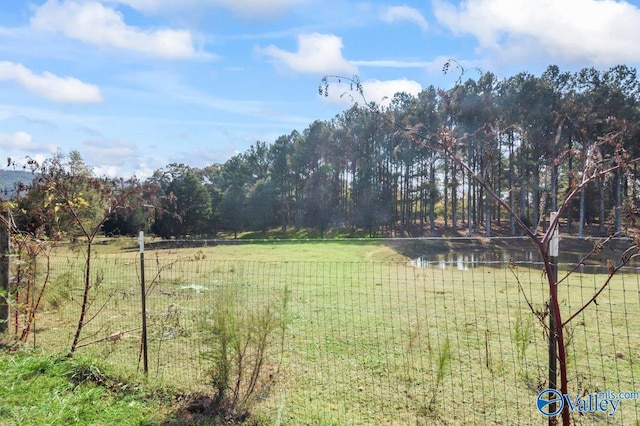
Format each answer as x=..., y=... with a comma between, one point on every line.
x=360, y=342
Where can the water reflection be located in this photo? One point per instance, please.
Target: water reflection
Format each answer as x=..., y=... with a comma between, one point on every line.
x=472, y=259
x=596, y=263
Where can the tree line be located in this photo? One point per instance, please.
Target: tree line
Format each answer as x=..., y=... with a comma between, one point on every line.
x=371, y=170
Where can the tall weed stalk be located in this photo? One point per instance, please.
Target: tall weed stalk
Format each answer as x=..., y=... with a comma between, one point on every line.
x=443, y=361
x=242, y=338
x=521, y=336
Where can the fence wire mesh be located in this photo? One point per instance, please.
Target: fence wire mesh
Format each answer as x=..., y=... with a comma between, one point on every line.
x=360, y=342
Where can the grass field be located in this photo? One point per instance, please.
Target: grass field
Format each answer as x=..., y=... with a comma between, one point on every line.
x=369, y=339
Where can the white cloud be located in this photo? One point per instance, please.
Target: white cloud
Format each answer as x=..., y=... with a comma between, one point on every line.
x=317, y=54
x=112, y=155
x=244, y=8
x=149, y=5
x=109, y=171
x=393, y=63
x=110, y=151
x=259, y=8
x=93, y=23
x=379, y=91
x=21, y=144
x=602, y=32
x=404, y=13
x=50, y=86
x=21, y=140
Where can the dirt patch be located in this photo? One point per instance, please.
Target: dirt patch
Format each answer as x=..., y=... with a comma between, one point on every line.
x=202, y=409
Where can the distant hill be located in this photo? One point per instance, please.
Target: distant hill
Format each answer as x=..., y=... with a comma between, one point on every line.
x=9, y=180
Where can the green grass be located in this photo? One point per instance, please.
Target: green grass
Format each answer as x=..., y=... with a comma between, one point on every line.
x=367, y=334
x=37, y=389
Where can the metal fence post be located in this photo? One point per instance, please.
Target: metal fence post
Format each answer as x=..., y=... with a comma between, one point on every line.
x=553, y=327
x=145, y=357
x=4, y=273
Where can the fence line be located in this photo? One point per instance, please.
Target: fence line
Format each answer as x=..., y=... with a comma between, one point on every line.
x=364, y=342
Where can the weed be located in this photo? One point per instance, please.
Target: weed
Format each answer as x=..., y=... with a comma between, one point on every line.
x=443, y=361
x=284, y=318
x=240, y=337
x=60, y=291
x=86, y=372
x=411, y=347
x=521, y=336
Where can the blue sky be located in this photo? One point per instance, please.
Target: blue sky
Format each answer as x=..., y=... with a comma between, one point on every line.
x=134, y=85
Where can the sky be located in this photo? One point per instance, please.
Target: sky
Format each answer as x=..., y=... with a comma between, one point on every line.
x=135, y=85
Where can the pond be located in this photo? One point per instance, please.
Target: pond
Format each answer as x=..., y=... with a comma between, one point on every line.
x=466, y=259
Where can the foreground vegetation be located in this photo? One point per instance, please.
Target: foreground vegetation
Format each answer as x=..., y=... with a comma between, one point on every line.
x=39, y=389
x=366, y=338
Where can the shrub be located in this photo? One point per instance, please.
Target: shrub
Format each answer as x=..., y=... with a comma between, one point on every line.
x=242, y=340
